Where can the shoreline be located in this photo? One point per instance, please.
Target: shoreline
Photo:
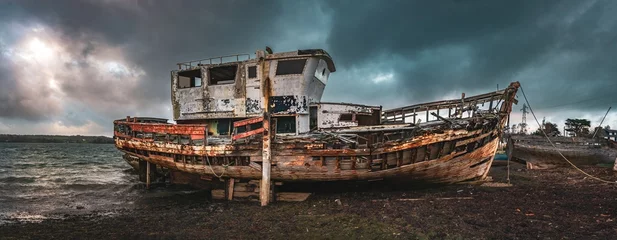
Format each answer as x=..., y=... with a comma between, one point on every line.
x=553, y=203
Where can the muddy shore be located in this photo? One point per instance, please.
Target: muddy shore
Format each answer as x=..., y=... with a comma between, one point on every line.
x=547, y=204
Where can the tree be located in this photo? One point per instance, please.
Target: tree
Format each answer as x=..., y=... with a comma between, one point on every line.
x=522, y=128
x=578, y=127
x=513, y=129
x=607, y=127
x=549, y=128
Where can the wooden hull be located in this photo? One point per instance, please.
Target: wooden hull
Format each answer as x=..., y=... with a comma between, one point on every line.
x=537, y=153
x=132, y=160
x=441, y=150
x=451, y=168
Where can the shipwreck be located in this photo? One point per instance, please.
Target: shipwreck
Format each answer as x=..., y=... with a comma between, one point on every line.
x=243, y=120
x=536, y=152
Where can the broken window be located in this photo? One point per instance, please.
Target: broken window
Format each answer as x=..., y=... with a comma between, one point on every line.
x=290, y=67
x=188, y=79
x=223, y=75
x=320, y=71
x=160, y=137
x=348, y=117
x=286, y=124
x=253, y=72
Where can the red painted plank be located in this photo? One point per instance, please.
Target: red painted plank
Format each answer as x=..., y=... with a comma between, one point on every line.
x=248, y=121
x=249, y=133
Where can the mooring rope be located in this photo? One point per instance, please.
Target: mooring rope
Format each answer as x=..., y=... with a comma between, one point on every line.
x=555, y=147
x=212, y=170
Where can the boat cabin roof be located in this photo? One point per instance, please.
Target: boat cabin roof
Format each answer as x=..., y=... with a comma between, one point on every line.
x=189, y=65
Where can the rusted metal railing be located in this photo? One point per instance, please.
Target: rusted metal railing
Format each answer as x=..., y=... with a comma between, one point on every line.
x=189, y=64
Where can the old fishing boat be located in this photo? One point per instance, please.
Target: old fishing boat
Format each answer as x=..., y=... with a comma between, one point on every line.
x=262, y=119
x=537, y=153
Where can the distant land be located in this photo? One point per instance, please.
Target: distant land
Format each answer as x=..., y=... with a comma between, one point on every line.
x=54, y=139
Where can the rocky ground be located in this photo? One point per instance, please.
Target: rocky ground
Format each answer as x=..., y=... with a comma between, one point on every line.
x=547, y=204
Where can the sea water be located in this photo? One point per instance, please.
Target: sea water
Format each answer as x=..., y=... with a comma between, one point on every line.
x=43, y=180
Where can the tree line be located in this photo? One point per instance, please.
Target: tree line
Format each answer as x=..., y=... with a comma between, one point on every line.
x=54, y=139
x=574, y=127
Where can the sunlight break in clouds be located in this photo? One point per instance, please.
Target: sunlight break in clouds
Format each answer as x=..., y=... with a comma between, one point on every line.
x=51, y=73
x=383, y=77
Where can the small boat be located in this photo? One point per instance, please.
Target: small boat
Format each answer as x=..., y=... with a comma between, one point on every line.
x=537, y=153
x=262, y=118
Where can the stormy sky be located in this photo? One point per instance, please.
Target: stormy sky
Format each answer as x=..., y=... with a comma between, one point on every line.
x=71, y=67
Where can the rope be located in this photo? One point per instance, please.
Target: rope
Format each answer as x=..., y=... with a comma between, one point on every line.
x=212, y=170
x=555, y=147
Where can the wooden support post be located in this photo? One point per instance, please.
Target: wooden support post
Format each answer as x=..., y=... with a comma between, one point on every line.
x=264, y=193
x=264, y=190
x=414, y=116
x=147, y=175
x=230, y=188
x=490, y=106
x=427, y=114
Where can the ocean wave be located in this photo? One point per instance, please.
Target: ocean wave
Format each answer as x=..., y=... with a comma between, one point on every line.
x=95, y=187
x=13, y=179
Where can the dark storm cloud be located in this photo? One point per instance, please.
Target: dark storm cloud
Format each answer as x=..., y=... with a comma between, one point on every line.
x=438, y=46
x=153, y=35
x=387, y=52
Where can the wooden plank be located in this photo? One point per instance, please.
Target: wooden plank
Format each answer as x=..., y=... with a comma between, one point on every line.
x=249, y=133
x=230, y=189
x=147, y=175
x=255, y=165
x=248, y=121
x=468, y=141
x=218, y=194
x=292, y=196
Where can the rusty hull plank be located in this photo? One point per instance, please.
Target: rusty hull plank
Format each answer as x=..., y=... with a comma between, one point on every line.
x=447, y=169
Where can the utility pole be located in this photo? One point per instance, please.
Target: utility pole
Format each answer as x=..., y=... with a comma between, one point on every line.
x=524, y=120
x=600, y=127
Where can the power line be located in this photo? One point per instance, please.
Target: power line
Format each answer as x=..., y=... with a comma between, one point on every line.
x=555, y=147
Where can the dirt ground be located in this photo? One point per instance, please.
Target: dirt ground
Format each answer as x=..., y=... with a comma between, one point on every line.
x=547, y=204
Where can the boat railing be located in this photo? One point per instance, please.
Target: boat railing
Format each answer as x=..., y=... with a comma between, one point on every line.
x=214, y=60
x=454, y=107
x=153, y=132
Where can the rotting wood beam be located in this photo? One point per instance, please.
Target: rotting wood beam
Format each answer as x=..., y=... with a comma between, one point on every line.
x=230, y=188
x=147, y=175
x=264, y=190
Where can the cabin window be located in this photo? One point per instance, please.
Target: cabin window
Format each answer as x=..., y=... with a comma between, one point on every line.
x=286, y=124
x=189, y=79
x=173, y=138
x=160, y=137
x=320, y=71
x=253, y=72
x=288, y=67
x=223, y=75
x=184, y=139
x=312, y=118
x=346, y=117
x=223, y=126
